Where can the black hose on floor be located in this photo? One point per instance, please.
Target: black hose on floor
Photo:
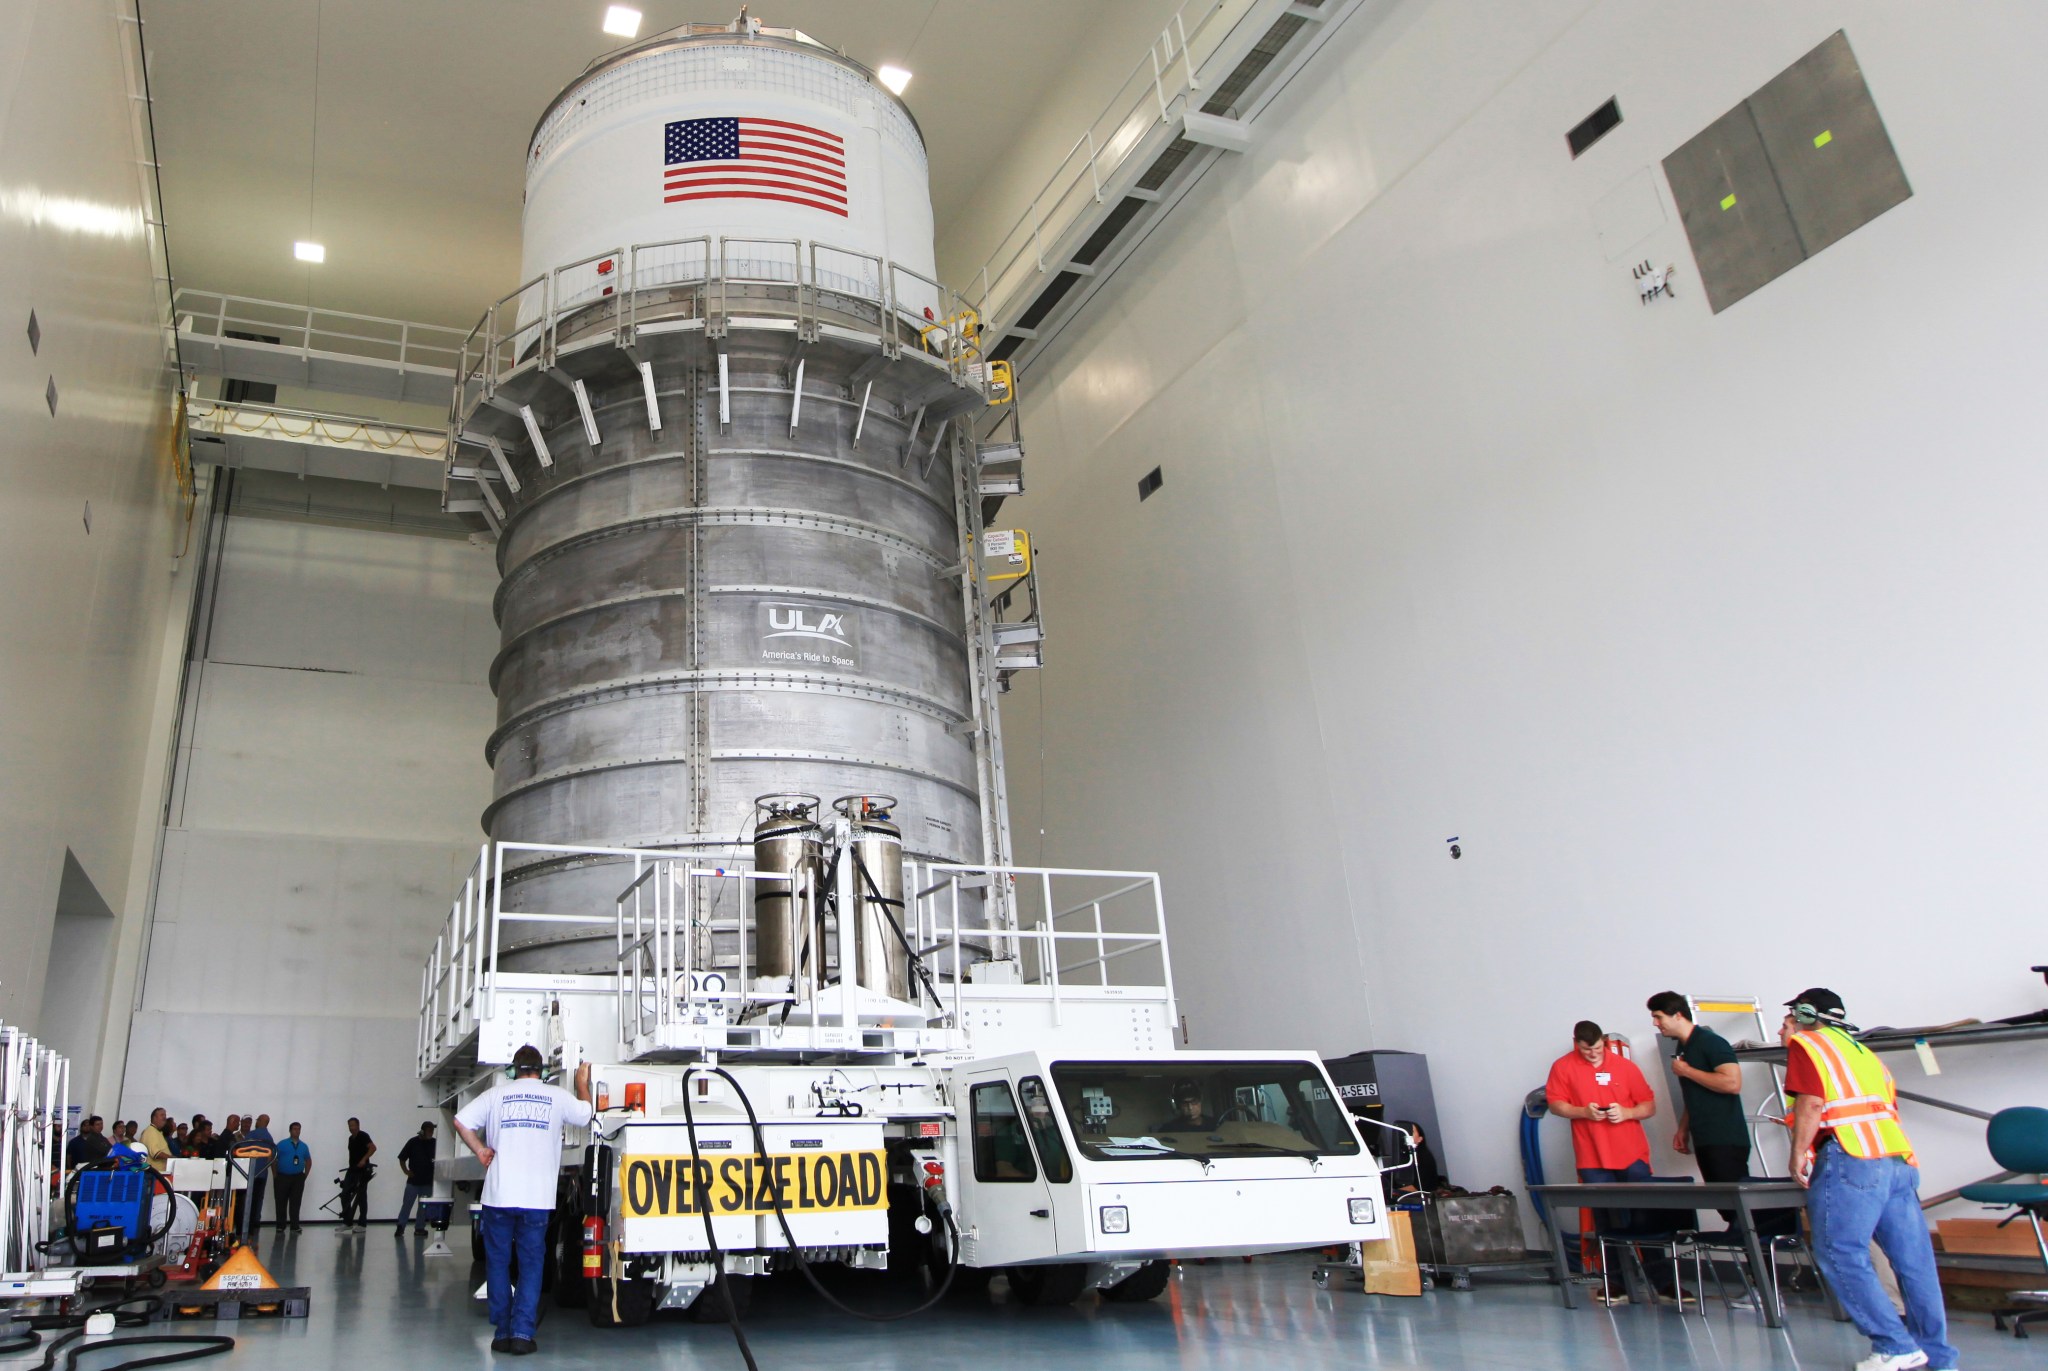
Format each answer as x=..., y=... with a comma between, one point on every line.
x=195, y=1346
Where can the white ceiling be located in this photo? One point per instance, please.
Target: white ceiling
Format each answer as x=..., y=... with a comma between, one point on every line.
x=424, y=107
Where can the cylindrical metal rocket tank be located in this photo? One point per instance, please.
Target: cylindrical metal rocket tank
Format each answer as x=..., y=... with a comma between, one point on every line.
x=762, y=594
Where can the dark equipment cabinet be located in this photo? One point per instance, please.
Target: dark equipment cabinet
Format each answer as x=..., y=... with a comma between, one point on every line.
x=1386, y=1086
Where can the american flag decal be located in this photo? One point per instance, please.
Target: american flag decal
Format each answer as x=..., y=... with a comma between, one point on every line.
x=754, y=159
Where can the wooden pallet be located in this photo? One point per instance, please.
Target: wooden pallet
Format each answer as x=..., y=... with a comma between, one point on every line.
x=289, y=1302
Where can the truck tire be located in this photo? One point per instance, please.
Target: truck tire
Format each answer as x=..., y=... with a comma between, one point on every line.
x=572, y=1289
x=709, y=1307
x=1048, y=1287
x=969, y=1282
x=634, y=1300
x=1148, y=1282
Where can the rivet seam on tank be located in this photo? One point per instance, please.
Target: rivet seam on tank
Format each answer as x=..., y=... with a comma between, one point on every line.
x=684, y=593
x=726, y=516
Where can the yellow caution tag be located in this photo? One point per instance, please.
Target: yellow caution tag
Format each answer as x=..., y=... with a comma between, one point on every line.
x=1823, y=138
x=1728, y=202
x=1005, y=554
x=804, y=1182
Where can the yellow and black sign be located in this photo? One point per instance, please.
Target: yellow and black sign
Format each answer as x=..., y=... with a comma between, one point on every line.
x=804, y=1182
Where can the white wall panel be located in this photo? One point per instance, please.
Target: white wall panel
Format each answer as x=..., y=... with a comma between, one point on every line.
x=81, y=613
x=331, y=776
x=283, y=750
x=324, y=597
x=1715, y=638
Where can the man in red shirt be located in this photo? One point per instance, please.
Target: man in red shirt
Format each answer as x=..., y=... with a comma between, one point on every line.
x=1607, y=1099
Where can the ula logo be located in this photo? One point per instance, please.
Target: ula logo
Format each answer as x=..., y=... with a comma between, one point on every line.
x=793, y=621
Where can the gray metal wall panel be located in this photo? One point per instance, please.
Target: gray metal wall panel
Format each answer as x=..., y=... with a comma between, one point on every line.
x=1728, y=197
x=1827, y=143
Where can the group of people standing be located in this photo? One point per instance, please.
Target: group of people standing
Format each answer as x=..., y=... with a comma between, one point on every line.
x=1849, y=1149
x=248, y=1140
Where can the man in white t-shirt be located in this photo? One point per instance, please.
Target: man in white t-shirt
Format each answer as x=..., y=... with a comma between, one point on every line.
x=516, y=1132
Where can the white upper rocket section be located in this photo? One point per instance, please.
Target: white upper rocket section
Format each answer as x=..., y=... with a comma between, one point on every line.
x=597, y=170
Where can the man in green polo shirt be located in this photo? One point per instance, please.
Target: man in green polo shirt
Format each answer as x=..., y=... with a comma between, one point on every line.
x=1711, y=1124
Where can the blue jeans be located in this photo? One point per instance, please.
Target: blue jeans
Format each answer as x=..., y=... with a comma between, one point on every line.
x=1852, y=1200
x=1613, y=1220
x=414, y=1194
x=510, y=1234
x=1619, y=1223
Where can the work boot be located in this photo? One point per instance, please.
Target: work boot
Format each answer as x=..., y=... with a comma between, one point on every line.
x=520, y=1347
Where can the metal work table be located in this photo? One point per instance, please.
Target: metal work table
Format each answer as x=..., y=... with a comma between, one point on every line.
x=1744, y=1197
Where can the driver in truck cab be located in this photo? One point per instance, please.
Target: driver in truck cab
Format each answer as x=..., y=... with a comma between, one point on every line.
x=1188, y=1114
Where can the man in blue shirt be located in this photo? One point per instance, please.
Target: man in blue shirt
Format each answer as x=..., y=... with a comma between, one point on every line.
x=294, y=1159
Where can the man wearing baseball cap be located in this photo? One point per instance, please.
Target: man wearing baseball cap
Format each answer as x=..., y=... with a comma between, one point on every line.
x=1851, y=1153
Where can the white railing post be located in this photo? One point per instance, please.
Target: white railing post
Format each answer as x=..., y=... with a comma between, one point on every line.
x=1165, y=966
x=497, y=884
x=1187, y=57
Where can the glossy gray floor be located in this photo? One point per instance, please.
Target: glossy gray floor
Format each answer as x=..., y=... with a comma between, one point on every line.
x=378, y=1303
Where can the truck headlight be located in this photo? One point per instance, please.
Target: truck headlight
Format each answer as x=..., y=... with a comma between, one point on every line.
x=1362, y=1209
x=1116, y=1218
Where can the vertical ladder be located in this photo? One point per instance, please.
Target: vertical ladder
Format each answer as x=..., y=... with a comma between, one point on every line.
x=1750, y=1005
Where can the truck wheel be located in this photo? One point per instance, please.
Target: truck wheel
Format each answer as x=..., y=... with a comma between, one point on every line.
x=709, y=1307
x=572, y=1288
x=1148, y=1282
x=969, y=1282
x=614, y=1303
x=548, y=1247
x=1049, y=1286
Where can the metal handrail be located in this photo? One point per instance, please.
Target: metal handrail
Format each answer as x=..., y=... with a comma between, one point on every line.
x=658, y=915
x=220, y=417
x=1161, y=82
x=210, y=314
x=562, y=301
x=524, y=325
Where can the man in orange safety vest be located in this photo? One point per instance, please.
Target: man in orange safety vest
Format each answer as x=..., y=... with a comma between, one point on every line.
x=1853, y=1156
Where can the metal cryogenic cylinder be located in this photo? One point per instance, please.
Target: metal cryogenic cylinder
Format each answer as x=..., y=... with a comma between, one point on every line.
x=788, y=945
x=878, y=931
x=762, y=594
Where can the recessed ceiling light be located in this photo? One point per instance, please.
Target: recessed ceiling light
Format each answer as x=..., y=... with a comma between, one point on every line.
x=895, y=78
x=310, y=252
x=622, y=21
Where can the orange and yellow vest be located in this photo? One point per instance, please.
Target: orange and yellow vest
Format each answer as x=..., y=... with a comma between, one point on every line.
x=1862, y=1102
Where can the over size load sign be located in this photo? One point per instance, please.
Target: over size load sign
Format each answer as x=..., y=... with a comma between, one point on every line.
x=804, y=1183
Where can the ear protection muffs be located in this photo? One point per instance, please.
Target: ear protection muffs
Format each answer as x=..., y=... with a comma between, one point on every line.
x=1806, y=1016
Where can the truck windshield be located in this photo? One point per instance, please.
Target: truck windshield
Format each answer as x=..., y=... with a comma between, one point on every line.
x=1135, y=1111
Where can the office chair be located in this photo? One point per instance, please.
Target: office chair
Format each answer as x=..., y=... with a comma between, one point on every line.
x=2018, y=1139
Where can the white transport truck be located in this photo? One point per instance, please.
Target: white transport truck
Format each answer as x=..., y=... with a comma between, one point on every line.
x=1032, y=1116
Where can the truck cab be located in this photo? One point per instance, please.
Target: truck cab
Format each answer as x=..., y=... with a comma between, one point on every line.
x=1113, y=1164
